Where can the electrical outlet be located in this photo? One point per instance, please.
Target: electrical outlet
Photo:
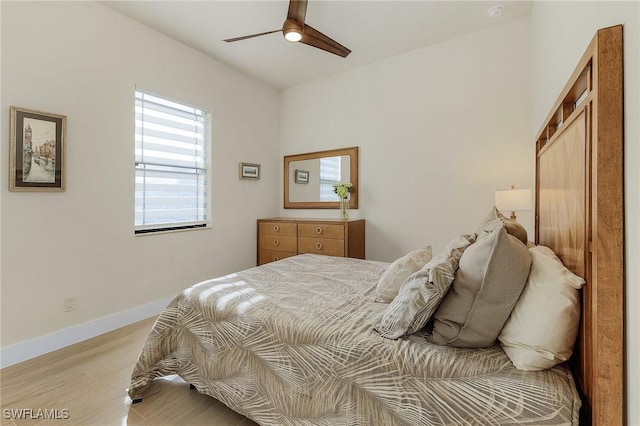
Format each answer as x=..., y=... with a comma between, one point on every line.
x=69, y=304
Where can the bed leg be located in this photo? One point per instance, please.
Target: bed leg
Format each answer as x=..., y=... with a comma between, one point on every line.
x=191, y=387
x=137, y=400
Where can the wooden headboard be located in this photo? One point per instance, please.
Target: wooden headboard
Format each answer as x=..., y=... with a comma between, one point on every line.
x=579, y=214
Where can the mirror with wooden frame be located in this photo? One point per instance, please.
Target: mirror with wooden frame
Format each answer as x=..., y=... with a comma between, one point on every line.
x=308, y=178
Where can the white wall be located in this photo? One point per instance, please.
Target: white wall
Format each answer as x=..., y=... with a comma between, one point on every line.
x=561, y=31
x=305, y=191
x=439, y=130
x=84, y=60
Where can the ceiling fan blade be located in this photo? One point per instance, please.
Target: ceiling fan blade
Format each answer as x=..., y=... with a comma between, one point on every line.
x=297, y=11
x=315, y=38
x=229, y=40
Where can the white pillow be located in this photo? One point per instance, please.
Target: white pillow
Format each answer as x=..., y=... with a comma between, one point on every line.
x=398, y=271
x=543, y=326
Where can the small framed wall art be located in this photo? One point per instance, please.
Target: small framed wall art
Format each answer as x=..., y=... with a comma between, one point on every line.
x=37, y=146
x=301, y=176
x=249, y=171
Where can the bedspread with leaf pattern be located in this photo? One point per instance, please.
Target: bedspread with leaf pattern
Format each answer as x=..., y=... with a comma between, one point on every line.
x=292, y=343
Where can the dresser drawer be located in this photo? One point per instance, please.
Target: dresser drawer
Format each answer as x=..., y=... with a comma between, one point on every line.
x=321, y=230
x=279, y=243
x=281, y=237
x=278, y=228
x=266, y=256
x=326, y=246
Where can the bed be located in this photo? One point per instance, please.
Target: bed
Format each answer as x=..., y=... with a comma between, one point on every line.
x=285, y=347
x=302, y=341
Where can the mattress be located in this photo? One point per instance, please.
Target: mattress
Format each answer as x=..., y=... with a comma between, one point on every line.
x=293, y=343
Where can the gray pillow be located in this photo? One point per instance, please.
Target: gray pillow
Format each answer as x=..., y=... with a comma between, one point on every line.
x=421, y=293
x=493, y=220
x=491, y=275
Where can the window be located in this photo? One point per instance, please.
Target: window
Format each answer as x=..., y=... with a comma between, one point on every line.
x=171, y=165
x=329, y=174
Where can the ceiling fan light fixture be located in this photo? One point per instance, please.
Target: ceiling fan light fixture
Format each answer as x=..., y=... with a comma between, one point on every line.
x=292, y=31
x=293, y=36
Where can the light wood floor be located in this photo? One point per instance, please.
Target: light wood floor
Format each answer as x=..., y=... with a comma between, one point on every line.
x=90, y=379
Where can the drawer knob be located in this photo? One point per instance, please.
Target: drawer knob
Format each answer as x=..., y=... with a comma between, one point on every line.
x=319, y=246
x=276, y=228
x=276, y=242
x=318, y=230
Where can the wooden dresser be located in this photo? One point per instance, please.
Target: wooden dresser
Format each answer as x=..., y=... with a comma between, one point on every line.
x=281, y=237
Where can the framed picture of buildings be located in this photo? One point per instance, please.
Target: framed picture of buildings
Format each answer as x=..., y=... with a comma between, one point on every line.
x=249, y=171
x=301, y=176
x=36, y=153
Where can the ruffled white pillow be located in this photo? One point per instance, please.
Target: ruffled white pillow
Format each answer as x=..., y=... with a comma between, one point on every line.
x=543, y=325
x=398, y=271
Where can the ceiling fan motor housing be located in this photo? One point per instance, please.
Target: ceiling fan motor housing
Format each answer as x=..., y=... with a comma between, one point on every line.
x=292, y=30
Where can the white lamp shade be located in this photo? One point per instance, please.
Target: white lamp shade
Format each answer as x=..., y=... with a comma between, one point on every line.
x=513, y=199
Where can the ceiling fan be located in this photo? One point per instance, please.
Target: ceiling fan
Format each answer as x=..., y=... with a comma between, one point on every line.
x=295, y=30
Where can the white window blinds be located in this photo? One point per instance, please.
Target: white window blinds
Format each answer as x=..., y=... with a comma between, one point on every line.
x=329, y=174
x=171, y=165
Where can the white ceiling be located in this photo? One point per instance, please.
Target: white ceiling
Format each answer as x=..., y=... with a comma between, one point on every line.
x=373, y=30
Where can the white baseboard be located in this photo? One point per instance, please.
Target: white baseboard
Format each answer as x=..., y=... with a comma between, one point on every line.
x=41, y=345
